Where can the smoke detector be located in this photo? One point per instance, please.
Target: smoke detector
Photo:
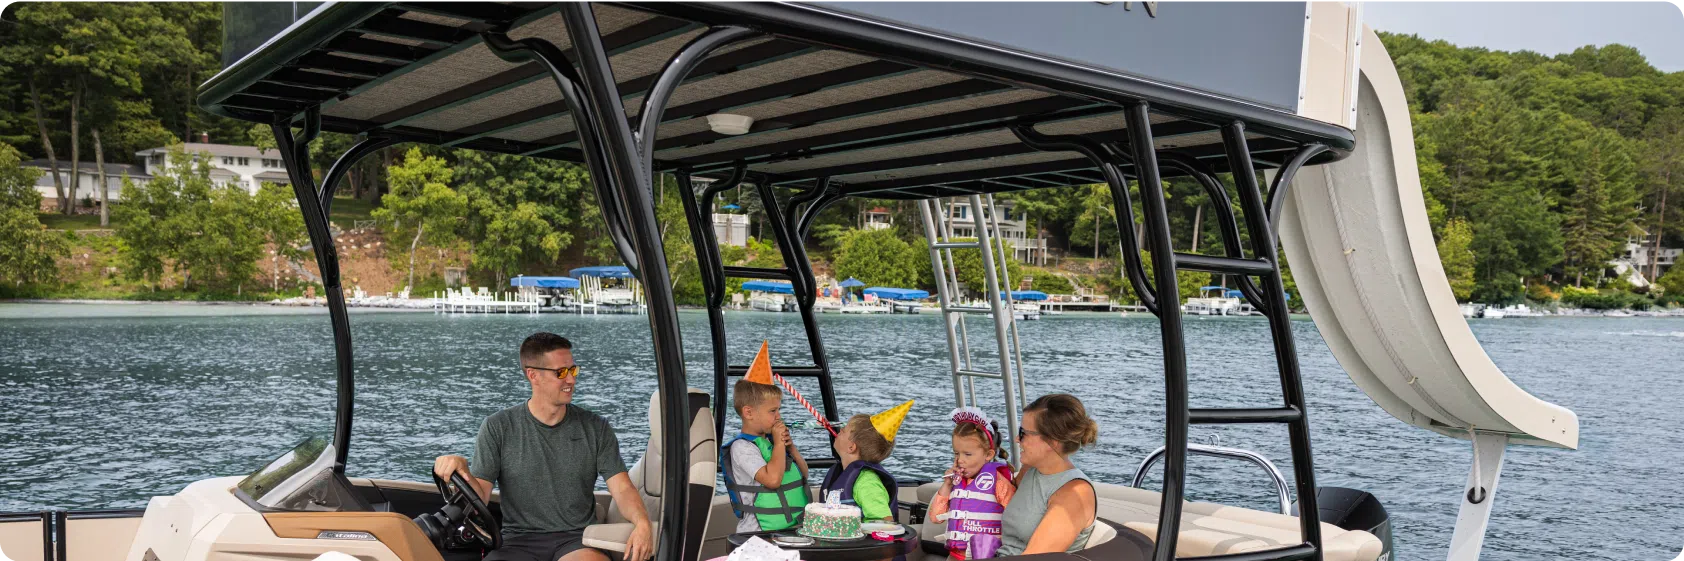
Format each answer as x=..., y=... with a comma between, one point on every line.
x=726, y=123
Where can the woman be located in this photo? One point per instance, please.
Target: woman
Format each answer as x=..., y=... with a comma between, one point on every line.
x=1053, y=509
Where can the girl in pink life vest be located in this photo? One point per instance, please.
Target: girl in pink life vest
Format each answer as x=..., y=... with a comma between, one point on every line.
x=976, y=489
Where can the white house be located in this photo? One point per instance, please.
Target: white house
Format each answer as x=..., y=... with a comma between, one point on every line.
x=243, y=166
x=731, y=229
x=1013, y=229
x=87, y=183
x=878, y=218
x=1639, y=253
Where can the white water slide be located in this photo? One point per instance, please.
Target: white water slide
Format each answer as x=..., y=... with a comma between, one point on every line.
x=1362, y=251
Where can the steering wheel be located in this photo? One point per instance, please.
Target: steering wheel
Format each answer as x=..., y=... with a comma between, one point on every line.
x=468, y=520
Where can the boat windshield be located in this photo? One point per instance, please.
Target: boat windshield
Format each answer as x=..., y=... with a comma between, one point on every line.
x=302, y=479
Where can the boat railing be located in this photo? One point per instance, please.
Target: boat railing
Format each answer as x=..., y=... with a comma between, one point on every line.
x=1223, y=452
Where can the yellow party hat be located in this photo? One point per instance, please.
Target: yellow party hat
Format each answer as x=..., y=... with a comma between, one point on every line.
x=888, y=422
x=760, y=371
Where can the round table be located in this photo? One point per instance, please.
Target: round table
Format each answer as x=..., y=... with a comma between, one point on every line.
x=858, y=549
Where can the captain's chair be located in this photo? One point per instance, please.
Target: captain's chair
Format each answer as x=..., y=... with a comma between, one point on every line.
x=646, y=477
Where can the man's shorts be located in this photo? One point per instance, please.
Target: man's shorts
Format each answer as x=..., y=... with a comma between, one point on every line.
x=538, y=547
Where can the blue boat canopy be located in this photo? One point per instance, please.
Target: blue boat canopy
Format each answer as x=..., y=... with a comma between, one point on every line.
x=852, y=282
x=1030, y=295
x=545, y=282
x=897, y=293
x=1233, y=294
x=769, y=286
x=732, y=206
x=1213, y=287
x=603, y=271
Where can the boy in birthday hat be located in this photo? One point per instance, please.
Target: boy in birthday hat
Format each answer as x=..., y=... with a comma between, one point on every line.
x=765, y=475
x=974, y=492
x=862, y=445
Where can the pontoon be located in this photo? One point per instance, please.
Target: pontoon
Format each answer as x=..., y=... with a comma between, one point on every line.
x=882, y=100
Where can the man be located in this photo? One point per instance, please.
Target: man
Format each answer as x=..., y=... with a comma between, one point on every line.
x=546, y=455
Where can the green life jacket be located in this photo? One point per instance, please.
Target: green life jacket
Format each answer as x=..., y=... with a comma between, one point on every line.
x=775, y=509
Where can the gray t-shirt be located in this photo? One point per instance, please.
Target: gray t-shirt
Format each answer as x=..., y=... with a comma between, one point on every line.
x=547, y=474
x=745, y=462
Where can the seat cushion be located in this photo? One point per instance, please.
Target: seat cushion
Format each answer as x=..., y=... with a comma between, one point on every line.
x=612, y=537
x=1206, y=528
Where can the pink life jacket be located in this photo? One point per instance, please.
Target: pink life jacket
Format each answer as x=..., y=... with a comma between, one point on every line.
x=973, y=507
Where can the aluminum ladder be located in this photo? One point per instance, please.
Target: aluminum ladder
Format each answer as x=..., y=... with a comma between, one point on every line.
x=938, y=231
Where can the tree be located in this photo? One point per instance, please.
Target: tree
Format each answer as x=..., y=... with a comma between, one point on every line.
x=151, y=221
x=1458, y=260
x=523, y=211
x=421, y=205
x=274, y=214
x=1601, y=212
x=876, y=257
x=223, y=249
x=28, y=252
x=969, y=265
x=1673, y=280
x=1663, y=170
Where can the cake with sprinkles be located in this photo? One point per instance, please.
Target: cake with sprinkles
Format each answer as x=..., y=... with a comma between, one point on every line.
x=832, y=521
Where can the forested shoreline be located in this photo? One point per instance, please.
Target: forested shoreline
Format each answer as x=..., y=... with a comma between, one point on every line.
x=1537, y=170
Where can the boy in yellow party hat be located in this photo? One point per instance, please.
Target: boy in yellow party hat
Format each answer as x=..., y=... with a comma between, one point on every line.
x=861, y=446
x=765, y=475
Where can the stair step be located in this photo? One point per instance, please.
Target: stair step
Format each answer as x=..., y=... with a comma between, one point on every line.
x=757, y=273
x=785, y=371
x=1228, y=416
x=1224, y=265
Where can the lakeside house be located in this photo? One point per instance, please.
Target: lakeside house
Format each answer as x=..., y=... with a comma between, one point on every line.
x=239, y=166
x=1640, y=254
x=87, y=183
x=231, y=165
x=1014, y=229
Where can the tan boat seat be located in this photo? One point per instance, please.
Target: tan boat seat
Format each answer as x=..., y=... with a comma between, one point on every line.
x=646, y=478
x=1206, y=528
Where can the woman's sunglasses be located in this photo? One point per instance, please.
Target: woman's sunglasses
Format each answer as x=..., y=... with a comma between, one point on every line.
x=1022, y=434
x=560, y=373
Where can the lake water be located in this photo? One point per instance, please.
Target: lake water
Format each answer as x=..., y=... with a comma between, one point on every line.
x=105, y=405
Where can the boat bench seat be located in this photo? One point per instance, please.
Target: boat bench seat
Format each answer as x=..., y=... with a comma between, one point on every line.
x=1206, y=528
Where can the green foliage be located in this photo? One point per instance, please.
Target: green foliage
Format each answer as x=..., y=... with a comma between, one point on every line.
x=877, y=258
x=1047, y=281
x=1458, y=260
x=523, y=211
x=1672, y=281
x=1603, y=299
x=421, y=206
x=180, y=222
x=968, y=262
x=27, y=251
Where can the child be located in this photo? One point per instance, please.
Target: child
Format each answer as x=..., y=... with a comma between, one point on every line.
x=861, y=446
x=976, y=489
x=765, y=475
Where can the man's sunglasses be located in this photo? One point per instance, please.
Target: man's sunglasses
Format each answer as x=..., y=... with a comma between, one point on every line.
x=561, y=373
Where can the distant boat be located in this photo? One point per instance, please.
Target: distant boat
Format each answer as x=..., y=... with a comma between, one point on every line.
x=895, y=300
x=771, y=296
x=1214, y=301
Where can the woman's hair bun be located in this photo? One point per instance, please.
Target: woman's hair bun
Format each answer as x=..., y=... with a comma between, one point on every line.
x=1063, y=419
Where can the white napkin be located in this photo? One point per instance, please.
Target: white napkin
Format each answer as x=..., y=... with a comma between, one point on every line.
x=756, y=549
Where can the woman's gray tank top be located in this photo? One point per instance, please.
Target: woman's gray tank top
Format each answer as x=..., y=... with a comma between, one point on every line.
x=1029, y=506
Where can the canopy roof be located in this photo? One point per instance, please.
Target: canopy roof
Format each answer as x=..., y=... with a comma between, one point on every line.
x=832, y=95
x=545, y=282
x=603, y=271
x=897, y=293
x=769, y=286
x=1031, y=295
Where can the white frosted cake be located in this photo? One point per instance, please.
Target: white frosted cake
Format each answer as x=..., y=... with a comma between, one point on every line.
x=831, y=521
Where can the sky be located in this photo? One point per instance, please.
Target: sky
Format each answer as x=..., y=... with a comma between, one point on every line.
x=1654, y=28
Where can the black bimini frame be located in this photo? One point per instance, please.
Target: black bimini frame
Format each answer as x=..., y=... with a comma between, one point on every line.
x=1114, y=127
